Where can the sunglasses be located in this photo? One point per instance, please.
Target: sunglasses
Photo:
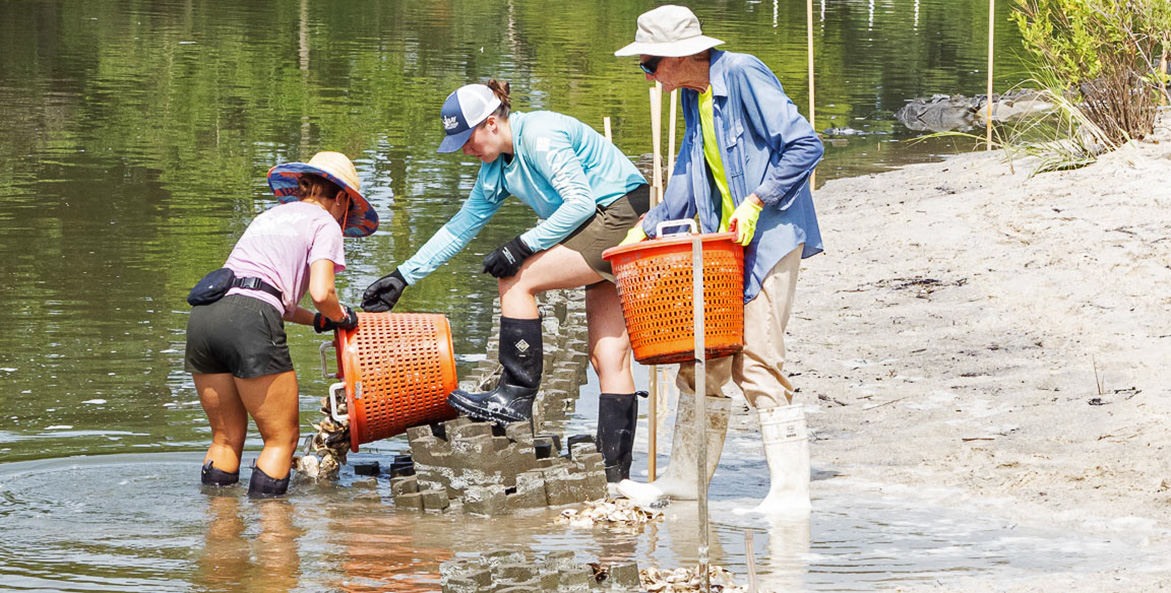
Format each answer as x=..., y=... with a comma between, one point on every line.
x=650, y=65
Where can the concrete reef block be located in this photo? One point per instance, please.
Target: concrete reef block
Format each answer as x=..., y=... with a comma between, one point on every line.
x=578, y=577
x=462, y=429
x=461, y=585
x=468, y=451
x=557, y=561
x=500, y=557
x=624, y=576
x=566, y=489
x=435, y=499
x=485, y=500
x=516, y=572
x=589, y=462
x=366, y=468
x=596, y=485
x=520, y=432
x=529, y=493
x=409, y=501
x=462, y=576
x=512, y=571
x=404, y=485
x=402, y=465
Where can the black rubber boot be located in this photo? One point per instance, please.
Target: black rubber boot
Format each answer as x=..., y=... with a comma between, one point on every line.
x=265, y=486
x=211, y=476
x=521, y=354
x=617, y=419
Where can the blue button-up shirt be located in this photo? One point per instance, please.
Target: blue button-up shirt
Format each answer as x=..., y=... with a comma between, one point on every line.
x=768, y=148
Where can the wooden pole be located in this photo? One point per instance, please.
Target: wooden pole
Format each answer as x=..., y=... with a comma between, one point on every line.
x=988, y=102
x=656, y=95
x=809, y=51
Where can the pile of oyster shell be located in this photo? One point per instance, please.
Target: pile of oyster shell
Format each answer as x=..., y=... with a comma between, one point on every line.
x=620, y=511
x=686, y=580
x=325, y=451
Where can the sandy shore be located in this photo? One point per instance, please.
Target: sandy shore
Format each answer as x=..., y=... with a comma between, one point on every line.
x=998, y=341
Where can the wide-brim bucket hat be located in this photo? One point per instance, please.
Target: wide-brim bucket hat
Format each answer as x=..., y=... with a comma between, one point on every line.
x=669, y=31
x=361, y=220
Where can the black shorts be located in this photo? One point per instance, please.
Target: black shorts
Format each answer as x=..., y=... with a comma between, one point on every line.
x=238, y=335
x=607, y=228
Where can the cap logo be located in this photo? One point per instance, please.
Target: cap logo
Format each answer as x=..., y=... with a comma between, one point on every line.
x=450, y=122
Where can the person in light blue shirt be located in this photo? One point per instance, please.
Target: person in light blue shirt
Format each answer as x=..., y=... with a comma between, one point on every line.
x=588, y=194
x=744, y=165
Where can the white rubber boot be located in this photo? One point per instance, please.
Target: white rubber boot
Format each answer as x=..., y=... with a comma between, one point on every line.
x=680, y=481
x=786, y=448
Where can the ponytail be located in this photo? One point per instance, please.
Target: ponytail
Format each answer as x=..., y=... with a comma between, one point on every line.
x=500, y=89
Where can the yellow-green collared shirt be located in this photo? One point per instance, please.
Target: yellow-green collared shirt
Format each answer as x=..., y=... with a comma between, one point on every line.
x=711, y=153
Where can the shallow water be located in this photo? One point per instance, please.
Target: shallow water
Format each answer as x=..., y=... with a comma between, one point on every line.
x=138, y=522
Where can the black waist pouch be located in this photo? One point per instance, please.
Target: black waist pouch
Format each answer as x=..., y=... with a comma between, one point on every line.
x=211, y=287
x=217, y=283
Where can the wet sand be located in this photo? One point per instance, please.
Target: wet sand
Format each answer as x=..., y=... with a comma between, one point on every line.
x=984, y=340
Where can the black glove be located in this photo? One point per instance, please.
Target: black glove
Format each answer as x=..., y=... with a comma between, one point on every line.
x=507, y=258
x=383, y=294
x=322, y=324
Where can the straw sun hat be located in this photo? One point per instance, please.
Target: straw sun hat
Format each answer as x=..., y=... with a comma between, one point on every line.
x=669, y=31
x=361, y=220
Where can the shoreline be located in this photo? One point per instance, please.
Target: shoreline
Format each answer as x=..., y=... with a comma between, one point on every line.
x=1000, y=341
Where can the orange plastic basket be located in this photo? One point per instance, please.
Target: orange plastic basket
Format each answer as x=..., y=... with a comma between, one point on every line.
x=398, y=370
x=655, y=283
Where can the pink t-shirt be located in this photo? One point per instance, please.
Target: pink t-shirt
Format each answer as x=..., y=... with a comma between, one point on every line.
x=279, y=246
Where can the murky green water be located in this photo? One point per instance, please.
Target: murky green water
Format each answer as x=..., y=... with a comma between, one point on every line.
x=135, y=136
x=134, y=140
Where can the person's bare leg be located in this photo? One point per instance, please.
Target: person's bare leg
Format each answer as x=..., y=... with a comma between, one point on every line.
x=554, y=268
x=272, y=402
x=609, y=344
x=228, y=419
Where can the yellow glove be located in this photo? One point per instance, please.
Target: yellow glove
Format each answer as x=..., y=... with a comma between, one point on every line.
x=634, y=235
x=743, y=221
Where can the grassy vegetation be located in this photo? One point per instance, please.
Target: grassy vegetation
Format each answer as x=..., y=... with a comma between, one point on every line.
x=1098, y=62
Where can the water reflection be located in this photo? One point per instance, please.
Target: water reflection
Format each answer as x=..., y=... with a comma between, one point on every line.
x=141, y=522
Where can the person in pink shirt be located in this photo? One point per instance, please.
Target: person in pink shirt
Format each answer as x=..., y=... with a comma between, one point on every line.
x=236, y=346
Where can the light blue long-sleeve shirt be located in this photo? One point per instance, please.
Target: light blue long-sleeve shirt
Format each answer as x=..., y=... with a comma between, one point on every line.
x=768, y=148
x=561, y=168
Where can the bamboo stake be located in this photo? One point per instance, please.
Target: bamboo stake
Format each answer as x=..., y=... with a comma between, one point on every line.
x=700, y=405
x=809, y=51
x=656, y=96
x=991, y=36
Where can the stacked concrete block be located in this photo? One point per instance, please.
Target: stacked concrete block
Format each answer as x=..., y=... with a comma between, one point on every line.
x=513, y=572
x=483, y=468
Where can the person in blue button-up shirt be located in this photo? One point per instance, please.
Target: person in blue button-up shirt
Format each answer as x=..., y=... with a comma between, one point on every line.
x=744, y=165
x=588, y=194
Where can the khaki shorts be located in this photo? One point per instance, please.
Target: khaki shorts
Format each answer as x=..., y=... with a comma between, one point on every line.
x=607, y=228
x=239, y=335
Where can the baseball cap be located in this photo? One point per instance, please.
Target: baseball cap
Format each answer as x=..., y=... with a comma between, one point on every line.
x=463, y=110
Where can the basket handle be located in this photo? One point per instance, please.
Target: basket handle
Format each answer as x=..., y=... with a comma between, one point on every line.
x=325, y=375
x=687, y=222
x=333, y=390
